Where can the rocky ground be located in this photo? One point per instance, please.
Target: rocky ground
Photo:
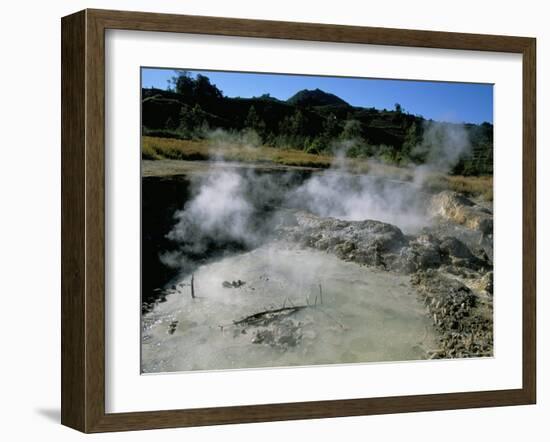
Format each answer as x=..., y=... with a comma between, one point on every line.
x=449, y=263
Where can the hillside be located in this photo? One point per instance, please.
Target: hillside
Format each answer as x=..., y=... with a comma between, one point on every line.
x=315, y=97
x=311, y=120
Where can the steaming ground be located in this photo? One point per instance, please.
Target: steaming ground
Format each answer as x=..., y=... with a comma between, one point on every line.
x=239, y=205
x=226, y=192
x=258, y=300
x=366, y=315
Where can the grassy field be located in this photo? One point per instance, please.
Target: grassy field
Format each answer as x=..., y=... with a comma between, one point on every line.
x=154, y=148
x=469, y=185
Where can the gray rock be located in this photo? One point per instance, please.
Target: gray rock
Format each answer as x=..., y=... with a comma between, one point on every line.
x=365, y=241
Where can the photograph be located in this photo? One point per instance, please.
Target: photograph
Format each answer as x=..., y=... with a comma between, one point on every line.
x=303, y=220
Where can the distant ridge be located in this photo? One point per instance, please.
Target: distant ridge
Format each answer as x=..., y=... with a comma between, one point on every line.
x=315, y=97
x=310, y=120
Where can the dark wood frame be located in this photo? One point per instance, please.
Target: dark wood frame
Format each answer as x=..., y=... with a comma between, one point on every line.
x=83, y=217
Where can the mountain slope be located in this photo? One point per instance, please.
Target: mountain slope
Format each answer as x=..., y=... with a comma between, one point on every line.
x=315, y=97
x=311, y=120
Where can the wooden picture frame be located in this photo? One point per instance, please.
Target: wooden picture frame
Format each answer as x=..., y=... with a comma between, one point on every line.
x=83, y=220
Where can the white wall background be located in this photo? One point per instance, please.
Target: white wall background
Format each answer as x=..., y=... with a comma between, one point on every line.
x=30, y=217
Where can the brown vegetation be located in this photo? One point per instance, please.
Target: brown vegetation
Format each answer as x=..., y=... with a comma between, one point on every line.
x=481, y=186
x=154, y=148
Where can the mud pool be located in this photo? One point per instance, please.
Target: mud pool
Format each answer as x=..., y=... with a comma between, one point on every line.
x=253, y=266
x=358, y=315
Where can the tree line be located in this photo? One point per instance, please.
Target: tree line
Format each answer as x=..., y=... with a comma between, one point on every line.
x=312, y=120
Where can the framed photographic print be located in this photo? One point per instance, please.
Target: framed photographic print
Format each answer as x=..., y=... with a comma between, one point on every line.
x=272, y=220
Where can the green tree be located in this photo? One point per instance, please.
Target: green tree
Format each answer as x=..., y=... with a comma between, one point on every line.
x=411, y=140
x=330, y=126
x=192, y=121
x=198, y=89
x=293, y=125
x=253, y=121
x=316, y=146
x=205, y=91
x=352, y=130
x=183, y=84
x=297, y=123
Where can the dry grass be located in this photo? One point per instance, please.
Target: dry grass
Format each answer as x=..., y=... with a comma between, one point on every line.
x=153, y=148
x=469, y=185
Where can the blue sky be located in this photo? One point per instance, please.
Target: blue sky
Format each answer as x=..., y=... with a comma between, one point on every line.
x=442, y=101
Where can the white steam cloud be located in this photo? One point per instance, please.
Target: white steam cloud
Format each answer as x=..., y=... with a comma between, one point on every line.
x=443, y=145
x=352, y=197
x=239, y=205
x=219, y=212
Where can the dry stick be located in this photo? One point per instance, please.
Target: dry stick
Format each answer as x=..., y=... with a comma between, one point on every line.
x=193, y=285
x=258, y=316
x=325, y=313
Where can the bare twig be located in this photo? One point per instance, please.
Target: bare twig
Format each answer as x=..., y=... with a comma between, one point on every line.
x=193, y=285
x=269, y=315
